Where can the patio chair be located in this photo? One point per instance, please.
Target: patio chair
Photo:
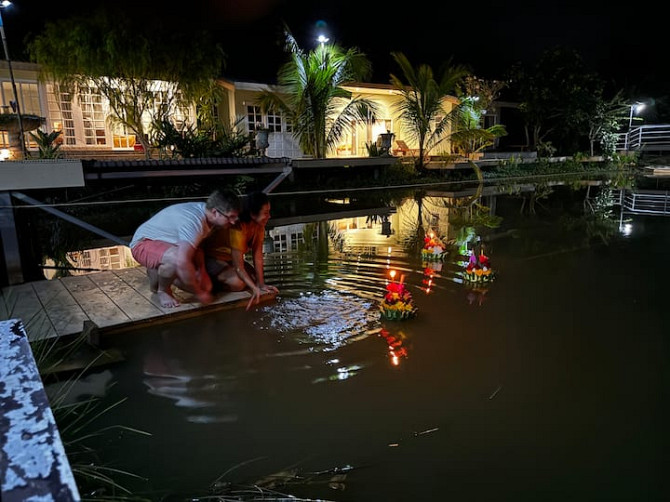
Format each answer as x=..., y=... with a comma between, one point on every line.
x=403, y=150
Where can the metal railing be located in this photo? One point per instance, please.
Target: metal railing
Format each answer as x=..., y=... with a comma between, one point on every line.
x=648, y=138
x=656, y=202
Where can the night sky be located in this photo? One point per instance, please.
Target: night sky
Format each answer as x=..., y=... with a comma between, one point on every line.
x=627, y=46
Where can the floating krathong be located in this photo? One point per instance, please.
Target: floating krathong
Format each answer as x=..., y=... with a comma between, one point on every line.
x=433, y=248
x=479, y=269
x=397, y=304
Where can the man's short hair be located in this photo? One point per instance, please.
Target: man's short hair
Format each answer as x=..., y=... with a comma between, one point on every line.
x=224, y=201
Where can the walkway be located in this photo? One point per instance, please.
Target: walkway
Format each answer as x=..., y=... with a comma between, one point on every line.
x=113, y=300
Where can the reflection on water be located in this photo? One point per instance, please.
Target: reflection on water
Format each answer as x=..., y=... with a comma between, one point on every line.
x=325, y=320
x=541, y=385
x=91, y=260
x=168, y=372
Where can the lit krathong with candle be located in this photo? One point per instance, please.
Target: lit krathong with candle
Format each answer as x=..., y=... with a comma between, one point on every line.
x=479, y=268
x=433, y=248
x=397, y=303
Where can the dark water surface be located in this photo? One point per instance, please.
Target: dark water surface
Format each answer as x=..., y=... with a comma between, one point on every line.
x=550, y=384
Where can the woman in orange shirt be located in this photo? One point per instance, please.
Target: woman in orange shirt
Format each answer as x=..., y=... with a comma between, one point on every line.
x=225, y=250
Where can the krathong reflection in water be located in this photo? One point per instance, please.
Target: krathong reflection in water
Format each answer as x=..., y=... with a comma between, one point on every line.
x=431, y=270
x=396, y=345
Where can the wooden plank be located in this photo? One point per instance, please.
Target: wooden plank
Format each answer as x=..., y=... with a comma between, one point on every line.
x=111, y=299
x=99, y=307
x=65, y=313
x=136, y=278
x=133, y=304
x=21, y=302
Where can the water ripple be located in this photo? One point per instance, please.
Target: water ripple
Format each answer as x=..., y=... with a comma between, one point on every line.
x=327, y=320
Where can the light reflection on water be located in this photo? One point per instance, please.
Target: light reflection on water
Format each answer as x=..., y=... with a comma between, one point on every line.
x=325, y=320
x=543, y=385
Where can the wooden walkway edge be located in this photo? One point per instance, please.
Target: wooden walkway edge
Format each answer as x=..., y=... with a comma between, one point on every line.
x=114, y=300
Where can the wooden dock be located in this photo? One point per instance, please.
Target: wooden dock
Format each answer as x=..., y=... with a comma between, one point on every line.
x=114, y=300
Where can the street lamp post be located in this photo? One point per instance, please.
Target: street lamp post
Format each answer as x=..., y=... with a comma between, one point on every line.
x=4, y=4
x=634, y=108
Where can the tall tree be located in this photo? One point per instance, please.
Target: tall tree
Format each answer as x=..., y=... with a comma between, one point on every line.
x=144, y=71
x=312, y=98
x=556, y=96
x=422, y=107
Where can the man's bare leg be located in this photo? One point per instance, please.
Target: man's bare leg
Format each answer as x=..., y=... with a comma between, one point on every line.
x=203, y=277
x=152, y=273
x=166, y=276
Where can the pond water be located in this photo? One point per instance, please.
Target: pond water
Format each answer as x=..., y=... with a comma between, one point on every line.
x=547, y=383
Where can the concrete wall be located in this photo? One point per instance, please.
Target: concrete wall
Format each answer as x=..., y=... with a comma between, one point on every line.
x=33, y=464
x=24, y=175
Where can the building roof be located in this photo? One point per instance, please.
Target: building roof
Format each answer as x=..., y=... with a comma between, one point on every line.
x=168, y=168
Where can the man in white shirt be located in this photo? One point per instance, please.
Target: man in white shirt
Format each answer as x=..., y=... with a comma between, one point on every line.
x=168, y=245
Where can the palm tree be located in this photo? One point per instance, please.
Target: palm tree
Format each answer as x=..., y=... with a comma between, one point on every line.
x=47, y=143
x=421, y=108
x=312, y=98
x=468, y=135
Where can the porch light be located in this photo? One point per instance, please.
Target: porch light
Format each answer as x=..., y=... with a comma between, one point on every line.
x=322, y=39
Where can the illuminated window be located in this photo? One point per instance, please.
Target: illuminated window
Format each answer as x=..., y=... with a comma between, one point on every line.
x=60, y=112
x=93, y=116
x=29, y=101
x=29, y=97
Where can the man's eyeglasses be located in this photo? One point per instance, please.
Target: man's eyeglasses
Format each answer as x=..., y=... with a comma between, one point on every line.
x=229, y=216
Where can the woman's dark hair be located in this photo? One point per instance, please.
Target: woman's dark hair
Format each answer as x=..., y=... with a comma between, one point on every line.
x=252, y=204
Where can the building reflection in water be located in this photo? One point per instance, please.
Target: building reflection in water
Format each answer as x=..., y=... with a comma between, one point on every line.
x=91, y=260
